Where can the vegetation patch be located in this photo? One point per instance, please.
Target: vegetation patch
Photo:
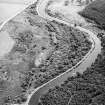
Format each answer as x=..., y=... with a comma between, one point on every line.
x=97, y=8
x=84, y=89
x=43, y=50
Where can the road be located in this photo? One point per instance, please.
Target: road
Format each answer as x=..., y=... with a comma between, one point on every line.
x=80, y=67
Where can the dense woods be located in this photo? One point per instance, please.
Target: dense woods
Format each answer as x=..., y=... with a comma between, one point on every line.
x=86, y=89
x=96, y=12
x=72, y=45
x=64, y=46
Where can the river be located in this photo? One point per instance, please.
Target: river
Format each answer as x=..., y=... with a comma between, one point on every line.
x=80, y=67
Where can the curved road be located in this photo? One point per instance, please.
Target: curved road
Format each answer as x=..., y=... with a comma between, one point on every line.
x=80, y=67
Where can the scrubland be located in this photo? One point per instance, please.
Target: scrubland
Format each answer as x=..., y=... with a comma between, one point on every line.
x=83, y=89
x=62, y=47
x=96, y=12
